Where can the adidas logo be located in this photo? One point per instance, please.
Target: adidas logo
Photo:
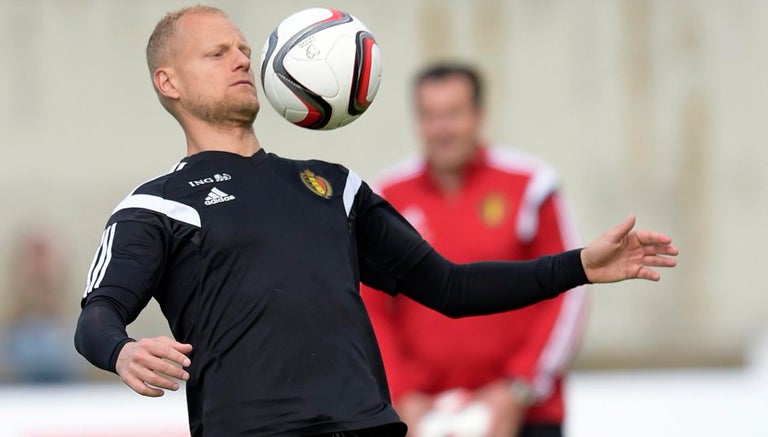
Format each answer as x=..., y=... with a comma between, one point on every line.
x=217, y=196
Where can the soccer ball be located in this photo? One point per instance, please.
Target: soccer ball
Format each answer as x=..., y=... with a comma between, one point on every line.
x=320, y=69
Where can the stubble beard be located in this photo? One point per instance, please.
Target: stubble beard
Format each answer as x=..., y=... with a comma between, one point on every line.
x=230, y=111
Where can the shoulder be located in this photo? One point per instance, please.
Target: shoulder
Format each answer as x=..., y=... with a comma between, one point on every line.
x=322, y=176
x=540, y=178
x=541, y=182
x=401, y=174
x=330, y=171
x=151, y=200
x=156, y=185
x=324, y=168
x=513, y=161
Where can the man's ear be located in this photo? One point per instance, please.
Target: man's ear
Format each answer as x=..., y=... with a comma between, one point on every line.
x=481, y=116
x=165, y=83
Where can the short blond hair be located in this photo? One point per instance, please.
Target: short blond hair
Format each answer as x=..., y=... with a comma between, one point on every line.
x=157, y=46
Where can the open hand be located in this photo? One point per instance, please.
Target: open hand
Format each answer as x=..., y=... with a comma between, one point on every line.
x=147, y=365
x=620, y=254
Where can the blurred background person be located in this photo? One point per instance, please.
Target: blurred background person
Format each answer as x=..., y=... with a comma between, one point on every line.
x=36, y=345
x=477, y=201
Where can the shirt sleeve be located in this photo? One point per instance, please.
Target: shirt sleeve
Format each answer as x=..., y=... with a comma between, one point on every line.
x=123, y=276
x=388, y=246
x=394, y=258
x=481, y=288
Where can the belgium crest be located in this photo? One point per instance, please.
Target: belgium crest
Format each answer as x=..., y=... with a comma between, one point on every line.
x=317, y=184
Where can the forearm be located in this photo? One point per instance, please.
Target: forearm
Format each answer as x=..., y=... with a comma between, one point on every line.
x=101, y=332
x=460, y=290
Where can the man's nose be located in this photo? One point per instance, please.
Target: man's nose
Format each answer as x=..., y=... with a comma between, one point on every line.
x=243, y=61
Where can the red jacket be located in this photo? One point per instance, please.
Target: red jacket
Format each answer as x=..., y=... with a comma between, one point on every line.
x=508, y=209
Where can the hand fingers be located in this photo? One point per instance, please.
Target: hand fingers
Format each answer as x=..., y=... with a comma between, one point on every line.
x=184, y=348
x=165, y=349
x=156, y=380
x=651, y=237
x=139, y=387
x=619, y=231
x=660, y=249
x=648, y=274
x=166, y=368
x=659, y=261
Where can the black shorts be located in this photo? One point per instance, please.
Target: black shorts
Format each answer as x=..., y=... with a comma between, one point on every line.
x=389, y=430
x=542, y=430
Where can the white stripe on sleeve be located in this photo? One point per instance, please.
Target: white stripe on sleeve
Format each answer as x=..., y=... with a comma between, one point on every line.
x=97, y=257
x=350, y=190
x=175, y=210
x=178, y=166
x=108, y=258
x=562, y=342
x=544, y=182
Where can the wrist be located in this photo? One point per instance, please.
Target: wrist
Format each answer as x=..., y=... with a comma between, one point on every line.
x=116, y=353
x=522, y=392
x=585, y=264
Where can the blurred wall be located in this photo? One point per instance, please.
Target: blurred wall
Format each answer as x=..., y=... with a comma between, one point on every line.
x=652, y=107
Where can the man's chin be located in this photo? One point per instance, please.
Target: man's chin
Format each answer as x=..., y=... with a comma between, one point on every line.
x=245, y=114
x=232, y=112
x=250, y=116
x=444, y=162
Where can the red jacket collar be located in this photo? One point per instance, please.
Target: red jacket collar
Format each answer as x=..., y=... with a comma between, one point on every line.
x=475, y=166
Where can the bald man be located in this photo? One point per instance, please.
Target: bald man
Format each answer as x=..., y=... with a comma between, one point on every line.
x=256, y=260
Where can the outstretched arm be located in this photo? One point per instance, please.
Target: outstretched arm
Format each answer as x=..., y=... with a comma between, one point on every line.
x=394, y=258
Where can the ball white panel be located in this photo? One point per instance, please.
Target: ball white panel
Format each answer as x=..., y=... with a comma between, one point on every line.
x=316, y=76
x=373, y=86
x=300, y=20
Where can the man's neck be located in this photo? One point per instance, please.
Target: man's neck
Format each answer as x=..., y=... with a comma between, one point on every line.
x=202, y=137
x=449, y=182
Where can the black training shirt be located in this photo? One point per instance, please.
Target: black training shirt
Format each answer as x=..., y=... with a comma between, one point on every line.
x=256, y=262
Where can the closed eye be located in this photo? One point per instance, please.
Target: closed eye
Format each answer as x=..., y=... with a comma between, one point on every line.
x=246, y=52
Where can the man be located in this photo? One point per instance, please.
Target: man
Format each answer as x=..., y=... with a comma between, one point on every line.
x=475, y=203
x=257, y=270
